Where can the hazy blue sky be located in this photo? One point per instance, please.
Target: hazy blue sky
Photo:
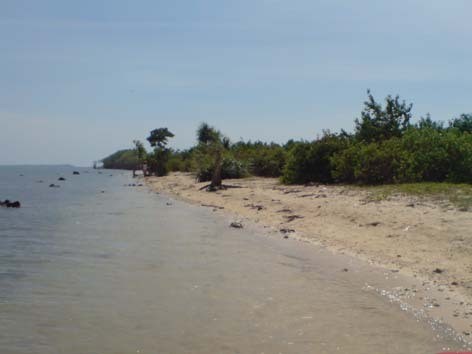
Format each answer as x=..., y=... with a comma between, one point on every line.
x=80, y=79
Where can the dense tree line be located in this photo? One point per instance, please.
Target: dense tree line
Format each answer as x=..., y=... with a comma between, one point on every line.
x=385, y=147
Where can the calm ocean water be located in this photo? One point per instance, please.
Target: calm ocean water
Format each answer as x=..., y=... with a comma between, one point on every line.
x=97, y=267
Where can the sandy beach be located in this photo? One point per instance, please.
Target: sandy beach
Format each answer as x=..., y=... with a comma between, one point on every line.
x=413, y=237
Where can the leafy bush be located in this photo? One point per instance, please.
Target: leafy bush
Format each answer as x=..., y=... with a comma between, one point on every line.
x=231, y=168
x=267, y=162
x=311, y=161
x=372, y=163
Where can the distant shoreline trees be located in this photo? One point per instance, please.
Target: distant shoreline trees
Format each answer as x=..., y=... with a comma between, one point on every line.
x=385, y=147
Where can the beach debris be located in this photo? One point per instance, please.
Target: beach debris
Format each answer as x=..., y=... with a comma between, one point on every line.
x=411, y=205
x=286, y=231
x=406, y=228
x=212, y=206
x=9, y=204
x=52, y=185
x=288, y=191
x=61, y=179
x=76, y=173
x=284, y=211
x=438, y=271
x=255, y=206
x=236, y=225
x=290, y=218
x=455, y=283
x=168, y=203
x=375, y=223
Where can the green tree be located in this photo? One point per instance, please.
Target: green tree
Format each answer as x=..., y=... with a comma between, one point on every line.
x=463, y=123
x=158, y=137
x=212, y=143
x=159, y=159
x=379, y=123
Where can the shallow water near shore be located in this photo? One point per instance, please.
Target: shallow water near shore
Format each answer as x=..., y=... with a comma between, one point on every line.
x=97, y=267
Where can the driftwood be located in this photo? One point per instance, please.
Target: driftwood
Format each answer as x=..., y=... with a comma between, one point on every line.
x=210, y=188
x=292, y=191
x=293, y=217
x=284, y=211
x=212, y=206
x=255, y=206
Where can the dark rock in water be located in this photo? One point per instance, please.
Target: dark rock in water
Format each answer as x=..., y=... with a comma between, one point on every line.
x=345, y=270
x=168, y=203
x=76, y=173
x=61, y=179
x=16, y=204
x=236, y=225
x=52, y=185
x=9, y=204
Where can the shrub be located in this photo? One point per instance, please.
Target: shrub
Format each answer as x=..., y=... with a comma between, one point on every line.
x=232, y=168
x=268, y=161
x=311, y=161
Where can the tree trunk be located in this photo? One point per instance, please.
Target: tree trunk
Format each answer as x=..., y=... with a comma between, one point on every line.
x=216, y=179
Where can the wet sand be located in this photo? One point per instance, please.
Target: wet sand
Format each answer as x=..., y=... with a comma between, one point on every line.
x=422, y=241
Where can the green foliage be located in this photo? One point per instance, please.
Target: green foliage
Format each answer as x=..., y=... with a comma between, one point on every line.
x=140, y=151
x=123, y=160
x=463, y=123
x=368, y=163
x=158, y=137
x=421, y=154
x=385, y=148
x=207, y=134
x=311, y=161
x=231, y=168
x=180, y=160
x=159, y=159
x=262, y=159
x=378, y=124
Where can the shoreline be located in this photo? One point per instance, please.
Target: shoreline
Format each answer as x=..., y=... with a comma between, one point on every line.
x=406, y=236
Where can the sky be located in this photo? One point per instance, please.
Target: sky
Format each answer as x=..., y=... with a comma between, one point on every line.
x=82, y=79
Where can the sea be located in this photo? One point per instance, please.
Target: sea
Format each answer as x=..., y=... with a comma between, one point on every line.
x=102, y=264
